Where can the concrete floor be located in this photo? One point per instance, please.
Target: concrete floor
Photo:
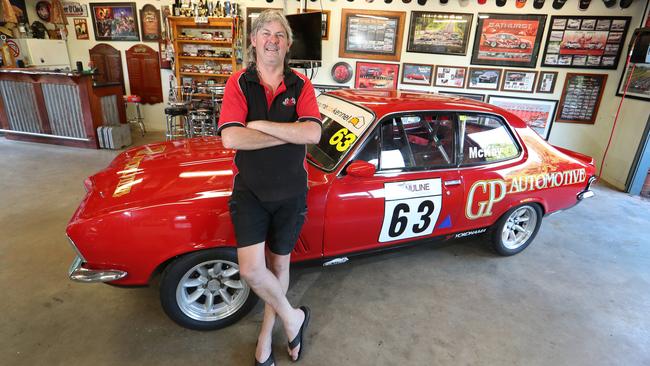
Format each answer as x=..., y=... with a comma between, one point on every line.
x=580, y=295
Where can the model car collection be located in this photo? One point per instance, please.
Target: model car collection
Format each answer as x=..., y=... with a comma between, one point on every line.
x=391, y=169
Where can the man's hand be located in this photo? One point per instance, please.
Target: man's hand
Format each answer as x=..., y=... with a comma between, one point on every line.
x=301, y=133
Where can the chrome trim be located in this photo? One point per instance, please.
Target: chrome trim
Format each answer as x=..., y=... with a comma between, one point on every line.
x=77, y=272
x=45, y=135
x=585, y=194
x=74, y=247
x=336, y=261
x=454, y=182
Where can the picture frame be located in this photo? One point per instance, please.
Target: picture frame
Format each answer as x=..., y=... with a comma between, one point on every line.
x=587, y=42
x=150, y=23
x=522, y=81
x=538, y=114
x=508, y=39
x=439, y=32
x=472, y=96
x=450, y=76
x=371, y=34
x=103, y=16
x=484, y=78
x=81, y=28
x=374, y=75
x=546, y=83
x=581, y=97
x=417, y=74
x=639, y=87
x=74, y=9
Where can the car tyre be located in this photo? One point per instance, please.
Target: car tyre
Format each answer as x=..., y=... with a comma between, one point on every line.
x=203, y=290
x=516, y=229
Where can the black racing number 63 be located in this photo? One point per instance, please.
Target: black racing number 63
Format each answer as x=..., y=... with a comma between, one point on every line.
x=400, y=218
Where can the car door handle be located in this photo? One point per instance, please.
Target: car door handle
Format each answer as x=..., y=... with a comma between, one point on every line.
x=454, y=182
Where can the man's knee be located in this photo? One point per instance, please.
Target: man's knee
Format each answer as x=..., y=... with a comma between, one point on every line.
x=279, y=263
x=252, y=274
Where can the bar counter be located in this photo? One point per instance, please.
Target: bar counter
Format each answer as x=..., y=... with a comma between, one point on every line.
x=63, y=108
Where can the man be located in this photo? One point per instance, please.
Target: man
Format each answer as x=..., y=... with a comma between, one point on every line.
x=269, y=113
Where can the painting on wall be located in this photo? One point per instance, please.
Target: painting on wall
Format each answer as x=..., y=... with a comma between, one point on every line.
x=373, y=75
x=441, y=33
x=115, y=21
x=537, y=113
x=371, y=34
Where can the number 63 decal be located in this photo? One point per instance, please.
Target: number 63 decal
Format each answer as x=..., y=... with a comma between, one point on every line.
x=342, y=139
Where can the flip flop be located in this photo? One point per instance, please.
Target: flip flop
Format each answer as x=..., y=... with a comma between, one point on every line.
x=298, y=339
x=269, y=361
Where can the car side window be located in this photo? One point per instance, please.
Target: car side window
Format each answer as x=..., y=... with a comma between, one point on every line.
x=486, y=139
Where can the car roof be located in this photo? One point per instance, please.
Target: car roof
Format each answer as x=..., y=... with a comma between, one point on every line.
x=383, y=102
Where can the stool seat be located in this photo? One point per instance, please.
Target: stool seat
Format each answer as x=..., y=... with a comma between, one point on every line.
x=203, y=110
x=132, y=99
x=176, y=111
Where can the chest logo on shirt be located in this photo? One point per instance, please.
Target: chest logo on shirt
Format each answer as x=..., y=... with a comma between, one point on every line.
x=289, y=102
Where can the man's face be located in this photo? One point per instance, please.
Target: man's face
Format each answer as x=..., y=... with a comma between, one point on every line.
x=271, y=44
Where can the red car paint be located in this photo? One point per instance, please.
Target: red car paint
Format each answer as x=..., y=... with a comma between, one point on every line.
x=157, y=202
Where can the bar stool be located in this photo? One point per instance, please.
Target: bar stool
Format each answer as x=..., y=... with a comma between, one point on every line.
x=138, y=120
x=177, y=111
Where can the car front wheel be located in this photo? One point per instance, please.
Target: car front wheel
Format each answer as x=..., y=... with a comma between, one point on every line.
x=203, y=290
x=516, y=229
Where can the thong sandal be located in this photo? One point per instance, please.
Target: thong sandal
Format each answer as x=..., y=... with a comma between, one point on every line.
x=299, y=337
x=269, y=361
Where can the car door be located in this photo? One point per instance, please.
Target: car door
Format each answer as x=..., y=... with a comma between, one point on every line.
x=415, y=193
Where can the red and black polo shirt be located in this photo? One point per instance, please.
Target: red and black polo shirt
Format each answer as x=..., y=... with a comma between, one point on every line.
x=278, y=172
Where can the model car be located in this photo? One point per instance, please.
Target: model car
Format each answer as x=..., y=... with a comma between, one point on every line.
x=505, y=40
x=391, y=169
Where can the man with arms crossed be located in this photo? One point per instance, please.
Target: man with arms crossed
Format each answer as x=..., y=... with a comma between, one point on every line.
x=269, y=113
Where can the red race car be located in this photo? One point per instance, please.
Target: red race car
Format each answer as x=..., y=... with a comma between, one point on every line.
x=391, y=169
x=505, y=40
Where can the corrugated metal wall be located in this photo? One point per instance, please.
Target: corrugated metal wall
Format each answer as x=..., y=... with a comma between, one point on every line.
x=19, y=97
x=64, y=110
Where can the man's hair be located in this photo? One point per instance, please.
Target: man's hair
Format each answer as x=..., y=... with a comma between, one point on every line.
x=265, y=17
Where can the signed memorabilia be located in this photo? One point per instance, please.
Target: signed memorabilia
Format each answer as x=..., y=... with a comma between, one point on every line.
x=581, y=98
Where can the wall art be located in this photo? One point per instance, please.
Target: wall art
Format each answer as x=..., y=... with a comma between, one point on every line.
x=537, y=113
x=417, y=74
x=440, y=33
x=581, y=97
x=115, y=21
x=450, y=76
x=371, y=34
x=373, y=75
x=482, y=78
x=519, y=81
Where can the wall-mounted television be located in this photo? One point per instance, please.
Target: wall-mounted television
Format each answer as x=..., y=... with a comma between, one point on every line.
x=306, y=47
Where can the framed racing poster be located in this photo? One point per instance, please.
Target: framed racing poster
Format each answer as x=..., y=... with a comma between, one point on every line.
x=417, y=74
x=472, y=96
x=483, y=78
x=585, y=42
x=450, y=76
x=546, y=83
x=508, y=39
x=519, y=81
x=371, y=34
x=441, y=33
x=581, y=98
x=373, y=75
x=537, y=113
x=639, y=87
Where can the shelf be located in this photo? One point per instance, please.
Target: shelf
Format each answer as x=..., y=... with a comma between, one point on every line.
x=213, y=22
x=200, y=58
x=200, y=41
x=203, y=74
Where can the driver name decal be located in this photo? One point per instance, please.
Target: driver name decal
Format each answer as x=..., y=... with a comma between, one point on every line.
x=411, y=209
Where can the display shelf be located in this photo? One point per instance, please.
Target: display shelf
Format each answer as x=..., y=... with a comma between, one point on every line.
x=203, y=74
x=203, y=58
x=201, y=41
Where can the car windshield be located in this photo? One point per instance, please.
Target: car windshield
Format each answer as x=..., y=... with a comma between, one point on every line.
x=343, y=124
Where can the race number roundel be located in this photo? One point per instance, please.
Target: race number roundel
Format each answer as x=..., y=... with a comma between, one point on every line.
x=411, y=209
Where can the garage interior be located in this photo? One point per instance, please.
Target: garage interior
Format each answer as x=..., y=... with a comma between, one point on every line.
x=579, y=295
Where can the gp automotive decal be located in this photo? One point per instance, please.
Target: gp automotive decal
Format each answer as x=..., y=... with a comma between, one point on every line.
x=483, y=194
x=411, y=209
x=353, y=119
x=127, y=175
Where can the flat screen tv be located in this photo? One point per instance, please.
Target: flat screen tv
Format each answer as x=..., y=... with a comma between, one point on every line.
x=306, y=28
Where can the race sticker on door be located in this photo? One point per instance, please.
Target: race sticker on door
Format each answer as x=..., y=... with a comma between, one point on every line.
x=411, y=209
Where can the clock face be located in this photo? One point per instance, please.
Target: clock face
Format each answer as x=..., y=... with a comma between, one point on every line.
x=342, y=72
x=43, y=10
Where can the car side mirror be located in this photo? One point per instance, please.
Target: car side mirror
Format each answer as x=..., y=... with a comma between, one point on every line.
x=361, y=169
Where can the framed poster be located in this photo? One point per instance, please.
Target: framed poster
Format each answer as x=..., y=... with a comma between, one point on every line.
x=150, y=23
x=472, y=96
x=508, y=39
x=482, y=78
x=585, y=42
x=371, y=34
x=546, y=83
x=537, y=113
x=417, y=74
x=74, y=9
x=373, y=75
x=81, y=28
x=519, y=81
x=115, y=21
x=436, y=32
x=639, y=87
x=581, y=97
x=450, y=76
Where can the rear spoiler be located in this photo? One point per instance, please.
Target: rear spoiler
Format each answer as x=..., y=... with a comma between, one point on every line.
x=582, y=157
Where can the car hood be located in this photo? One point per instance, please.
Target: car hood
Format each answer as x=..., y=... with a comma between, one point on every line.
x=163, y=172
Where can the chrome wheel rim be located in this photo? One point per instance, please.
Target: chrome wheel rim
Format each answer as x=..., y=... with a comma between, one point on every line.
x=211, y=291
x=519, y=227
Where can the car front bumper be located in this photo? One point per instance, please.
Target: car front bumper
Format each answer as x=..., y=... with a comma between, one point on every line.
x=78, y=273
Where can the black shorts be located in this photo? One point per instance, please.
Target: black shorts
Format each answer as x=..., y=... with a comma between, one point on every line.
x=277, y=222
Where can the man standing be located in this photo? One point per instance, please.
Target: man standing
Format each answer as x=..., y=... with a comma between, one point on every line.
x=269, y=113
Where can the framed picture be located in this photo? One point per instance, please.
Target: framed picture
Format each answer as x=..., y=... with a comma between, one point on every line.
x=372, y=75
x=639, y=87
x=81, y=28
x=476, y=97
x=441, y=33
x=508, y=39
x=417, y=74
x=342, y=72
x=519, y=81
x=585, y=42
x=74, y=9
x=581, y=97
x=150, y=22
x=482, y=78
x=546, y=83
x=251, y=15
x=115, y=21
x=371, y=34
x=450, y=76
x=537, y=113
